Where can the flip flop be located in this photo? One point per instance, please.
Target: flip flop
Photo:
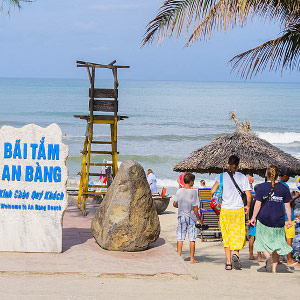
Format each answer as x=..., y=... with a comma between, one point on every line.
x=228, y=265
x=293, y=264
x=269, y=263
x=236, y=262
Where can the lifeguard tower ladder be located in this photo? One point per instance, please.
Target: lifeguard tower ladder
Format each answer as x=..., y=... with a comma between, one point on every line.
x=110, y=107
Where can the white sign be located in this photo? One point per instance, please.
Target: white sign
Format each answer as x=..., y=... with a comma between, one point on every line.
x=33, y=197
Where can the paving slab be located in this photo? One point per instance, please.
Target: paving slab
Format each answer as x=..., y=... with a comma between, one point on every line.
x=83, y=256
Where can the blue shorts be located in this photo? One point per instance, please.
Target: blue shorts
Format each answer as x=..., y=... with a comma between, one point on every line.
x=252, y=230
x=186, y=225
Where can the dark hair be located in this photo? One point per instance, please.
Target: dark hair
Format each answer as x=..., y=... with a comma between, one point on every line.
x=233, y=160
x=188, y=177
x=285, y=171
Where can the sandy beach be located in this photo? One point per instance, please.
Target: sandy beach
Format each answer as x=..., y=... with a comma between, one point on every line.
x=212, y=282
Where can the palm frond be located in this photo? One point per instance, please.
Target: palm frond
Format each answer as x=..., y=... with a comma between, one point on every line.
x=172, y=14
x=282, y=52
x=11, y=3
x=209, y=16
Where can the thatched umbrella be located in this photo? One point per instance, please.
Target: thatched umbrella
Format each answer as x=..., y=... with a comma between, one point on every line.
x=255, y=154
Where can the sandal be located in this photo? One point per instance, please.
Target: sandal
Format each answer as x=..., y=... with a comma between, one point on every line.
x=236, y=262
x=228, y=267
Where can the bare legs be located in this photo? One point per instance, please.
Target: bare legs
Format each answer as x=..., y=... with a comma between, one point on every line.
x=251, y=242
x=275, y=258
x=259, y=257
x=179, y=247
x=251, y=256
x=290, y=260
x=228, y=254
x=192, y=251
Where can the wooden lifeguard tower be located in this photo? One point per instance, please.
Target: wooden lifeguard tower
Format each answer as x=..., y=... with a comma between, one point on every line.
x=101, y=100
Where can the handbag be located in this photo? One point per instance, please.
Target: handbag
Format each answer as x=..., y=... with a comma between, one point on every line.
x=216, y=200
x=242, y=194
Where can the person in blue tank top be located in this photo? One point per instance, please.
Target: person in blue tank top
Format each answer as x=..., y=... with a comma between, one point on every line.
x=284, y=177
x=270, y=235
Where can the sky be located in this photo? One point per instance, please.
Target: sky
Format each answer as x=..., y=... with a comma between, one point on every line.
x=46, y=37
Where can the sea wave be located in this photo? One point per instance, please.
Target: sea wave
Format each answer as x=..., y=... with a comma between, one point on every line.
x=165, y=182
x=149, y=138
x=279, y=137
x=155, y=159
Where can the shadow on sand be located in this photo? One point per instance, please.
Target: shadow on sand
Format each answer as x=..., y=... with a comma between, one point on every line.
x=75, y=236
x=168, y=212
x=160, y=242
x=280, y=269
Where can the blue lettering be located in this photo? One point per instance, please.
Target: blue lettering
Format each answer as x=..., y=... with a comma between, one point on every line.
x=41, y=153
x=57, y=174
x=48, y=174
x=16, y=173
x=29, y=173
x=7, y=150
x=38, y=174
x=17, y=150
x=33, y=147
x=53, y=151
x=6, y=174
x=25, y=151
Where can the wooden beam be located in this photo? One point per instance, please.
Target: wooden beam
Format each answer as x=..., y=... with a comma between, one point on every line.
x=105, y=105
x=83, y=64
x=103, y=93
x=100, y=117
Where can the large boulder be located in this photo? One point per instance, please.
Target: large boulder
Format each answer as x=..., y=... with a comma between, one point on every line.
x=127, y=220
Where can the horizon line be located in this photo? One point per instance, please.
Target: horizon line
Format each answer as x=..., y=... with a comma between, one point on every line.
x=151, y=80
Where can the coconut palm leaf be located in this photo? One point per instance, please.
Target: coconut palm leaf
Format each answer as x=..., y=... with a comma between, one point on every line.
x=283, y=52
x=228, y=14
x=213, y=14
x=16, y=3
x=209, y=16
x=172, y=14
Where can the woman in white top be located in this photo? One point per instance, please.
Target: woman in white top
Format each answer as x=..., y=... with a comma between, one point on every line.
x=232, y=216
x=152, y=181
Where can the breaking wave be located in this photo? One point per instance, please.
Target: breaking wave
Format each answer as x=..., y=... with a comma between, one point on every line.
x=279, y=137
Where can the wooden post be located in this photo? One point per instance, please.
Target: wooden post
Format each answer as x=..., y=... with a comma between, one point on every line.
x=96, y=105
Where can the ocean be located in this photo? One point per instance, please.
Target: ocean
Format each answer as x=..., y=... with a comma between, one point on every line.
x=167, y=120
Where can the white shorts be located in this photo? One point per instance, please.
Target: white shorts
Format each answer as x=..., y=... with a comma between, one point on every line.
x=186, y=225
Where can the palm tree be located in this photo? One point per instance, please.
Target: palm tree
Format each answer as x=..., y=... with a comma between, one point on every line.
x=16, y=3
x=202, y=18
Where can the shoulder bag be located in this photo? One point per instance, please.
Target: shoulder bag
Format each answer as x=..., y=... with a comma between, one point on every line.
x=242, y=194
x=216, y=200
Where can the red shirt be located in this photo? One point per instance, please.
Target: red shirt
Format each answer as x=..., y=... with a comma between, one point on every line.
x=181, y=180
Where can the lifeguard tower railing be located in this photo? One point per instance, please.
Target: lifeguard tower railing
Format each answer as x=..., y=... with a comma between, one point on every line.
x=100, y=100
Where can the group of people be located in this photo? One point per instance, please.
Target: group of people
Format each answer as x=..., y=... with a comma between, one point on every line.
x=181, y=183
x=272, y=225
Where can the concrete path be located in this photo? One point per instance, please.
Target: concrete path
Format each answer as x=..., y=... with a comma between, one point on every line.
x=82, y=256
x=214, y=283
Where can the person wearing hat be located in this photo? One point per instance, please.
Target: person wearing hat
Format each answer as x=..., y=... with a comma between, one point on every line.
x=284, y=177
